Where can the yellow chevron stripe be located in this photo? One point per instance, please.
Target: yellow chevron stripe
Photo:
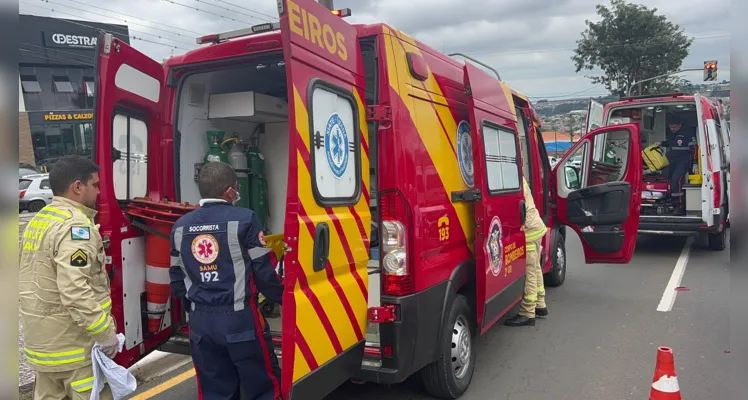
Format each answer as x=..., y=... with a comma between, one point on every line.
x=431, y=132
x=309, y=324
x=300, y=367
x=338, y=261
x=318, y=281
x=362, y=208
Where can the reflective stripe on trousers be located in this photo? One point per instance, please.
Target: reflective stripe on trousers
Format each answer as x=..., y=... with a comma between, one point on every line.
x=535, y=235
x=61, y=358
x=82, y=385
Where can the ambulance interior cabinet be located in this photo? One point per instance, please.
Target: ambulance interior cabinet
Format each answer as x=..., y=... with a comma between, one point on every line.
x=693, y=197
x=248, y=106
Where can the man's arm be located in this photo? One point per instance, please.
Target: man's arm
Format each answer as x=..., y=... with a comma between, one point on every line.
x=74, y=259
x=265, y=277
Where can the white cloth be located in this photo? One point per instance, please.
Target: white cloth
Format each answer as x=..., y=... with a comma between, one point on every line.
x=120, y=380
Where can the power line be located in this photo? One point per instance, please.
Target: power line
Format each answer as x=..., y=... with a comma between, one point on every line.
x=107, y=16
x=641, y=44
x=234, y=11
x=51, y=57
x=568, y=94
x=207, y=12
x=99, y=28
x=248, y=9
x=142, y=19
x=47, y=49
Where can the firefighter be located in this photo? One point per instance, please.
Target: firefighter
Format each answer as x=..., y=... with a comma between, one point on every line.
x=64, y=289
x=680, y=143
x=219, y=263
x=533, y=301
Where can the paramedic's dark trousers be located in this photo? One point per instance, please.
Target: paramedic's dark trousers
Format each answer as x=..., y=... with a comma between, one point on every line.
x=227, y=350
x=678, y=169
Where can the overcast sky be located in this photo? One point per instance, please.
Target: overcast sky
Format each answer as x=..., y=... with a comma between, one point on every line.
x=529, y=42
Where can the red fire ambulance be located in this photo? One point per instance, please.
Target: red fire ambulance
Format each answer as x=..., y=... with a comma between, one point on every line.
x=391, y=189
x=707, y=185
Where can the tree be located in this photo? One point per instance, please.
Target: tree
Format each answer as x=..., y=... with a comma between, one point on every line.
x=631, y=42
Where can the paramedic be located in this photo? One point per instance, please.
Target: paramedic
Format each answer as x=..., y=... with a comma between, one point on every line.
x=64, y=288
x=219, y=264
x=680, y=142
x=533, y=301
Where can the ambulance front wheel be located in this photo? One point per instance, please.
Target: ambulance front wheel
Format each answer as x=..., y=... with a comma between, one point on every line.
x=557, y=274
x=450, y=375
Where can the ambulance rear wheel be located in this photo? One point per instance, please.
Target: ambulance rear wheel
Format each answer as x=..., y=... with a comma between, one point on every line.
x=450, y=375
x=557, y=274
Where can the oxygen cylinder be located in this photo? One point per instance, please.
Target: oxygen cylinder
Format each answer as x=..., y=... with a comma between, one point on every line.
x=215, y=152
x=238, y=160
x=257, y=184
x=610, y=156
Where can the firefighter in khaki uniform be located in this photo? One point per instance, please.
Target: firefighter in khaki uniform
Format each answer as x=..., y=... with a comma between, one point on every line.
x=64, y=290
x=533, y=301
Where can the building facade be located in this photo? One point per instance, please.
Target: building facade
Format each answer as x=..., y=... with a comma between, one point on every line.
x=56, y=90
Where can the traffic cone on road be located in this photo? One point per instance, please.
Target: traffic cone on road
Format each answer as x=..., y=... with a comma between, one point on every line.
x=665, y=383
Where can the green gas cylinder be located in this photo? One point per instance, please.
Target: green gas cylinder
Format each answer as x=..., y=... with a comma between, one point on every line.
x=238, y=160
x=215, y=152
x=257, y=184
x=610, y=156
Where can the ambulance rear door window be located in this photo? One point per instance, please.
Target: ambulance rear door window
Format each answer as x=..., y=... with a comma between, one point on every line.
x=335, y=145
x=129, y=156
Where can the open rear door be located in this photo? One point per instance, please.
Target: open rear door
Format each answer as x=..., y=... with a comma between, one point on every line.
x=128, y=98
x=594, y=116
x=601, y=199
x=498, y=197
x=325, y=304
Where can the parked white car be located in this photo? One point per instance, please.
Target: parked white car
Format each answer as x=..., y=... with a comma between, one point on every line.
x=34, y=192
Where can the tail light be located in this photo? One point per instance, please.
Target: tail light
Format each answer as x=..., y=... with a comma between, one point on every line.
x=397, y=268
x=717, y=189
x=23, y=193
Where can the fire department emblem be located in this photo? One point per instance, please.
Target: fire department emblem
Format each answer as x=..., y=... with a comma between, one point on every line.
x=465, y=153
x=336, y=145
x=494, y=247
x=680, y=142
x=205, y=249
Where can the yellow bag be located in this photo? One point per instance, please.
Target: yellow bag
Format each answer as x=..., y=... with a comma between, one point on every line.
x=654, y=157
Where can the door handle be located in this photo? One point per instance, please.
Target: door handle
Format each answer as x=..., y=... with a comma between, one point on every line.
x=321, y=251
x=522, y=212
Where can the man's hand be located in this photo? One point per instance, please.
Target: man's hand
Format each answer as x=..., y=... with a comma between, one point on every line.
x=110, y=347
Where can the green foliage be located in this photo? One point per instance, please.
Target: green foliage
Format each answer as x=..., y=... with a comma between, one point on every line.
x=631, y=42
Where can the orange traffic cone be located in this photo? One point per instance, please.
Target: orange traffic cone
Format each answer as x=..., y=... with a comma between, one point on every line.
x=665, y=383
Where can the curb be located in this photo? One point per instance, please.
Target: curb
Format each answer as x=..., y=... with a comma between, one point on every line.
x=149, y=368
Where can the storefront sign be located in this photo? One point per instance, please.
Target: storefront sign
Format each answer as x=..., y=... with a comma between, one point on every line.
x=68, y=40
x=68, y=116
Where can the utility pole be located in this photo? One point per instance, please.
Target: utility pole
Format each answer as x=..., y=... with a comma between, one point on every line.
x=327, y=3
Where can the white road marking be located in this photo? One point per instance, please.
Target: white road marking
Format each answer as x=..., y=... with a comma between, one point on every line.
x=668, y=297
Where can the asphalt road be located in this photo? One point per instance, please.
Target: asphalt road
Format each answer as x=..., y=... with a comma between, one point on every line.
x=599, y=342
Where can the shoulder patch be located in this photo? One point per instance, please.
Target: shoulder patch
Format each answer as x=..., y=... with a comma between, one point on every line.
x=79, y=258
x=80, y=233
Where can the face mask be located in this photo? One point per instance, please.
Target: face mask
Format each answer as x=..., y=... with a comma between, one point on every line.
x=238, y=197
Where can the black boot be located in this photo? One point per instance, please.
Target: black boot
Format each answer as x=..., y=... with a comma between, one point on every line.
x=541, y=312
x=520, y=320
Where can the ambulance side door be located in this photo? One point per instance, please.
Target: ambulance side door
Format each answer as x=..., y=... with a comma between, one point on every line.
x=601, y=201
x=129, y=98
x=498, y=197
x=328, y=219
